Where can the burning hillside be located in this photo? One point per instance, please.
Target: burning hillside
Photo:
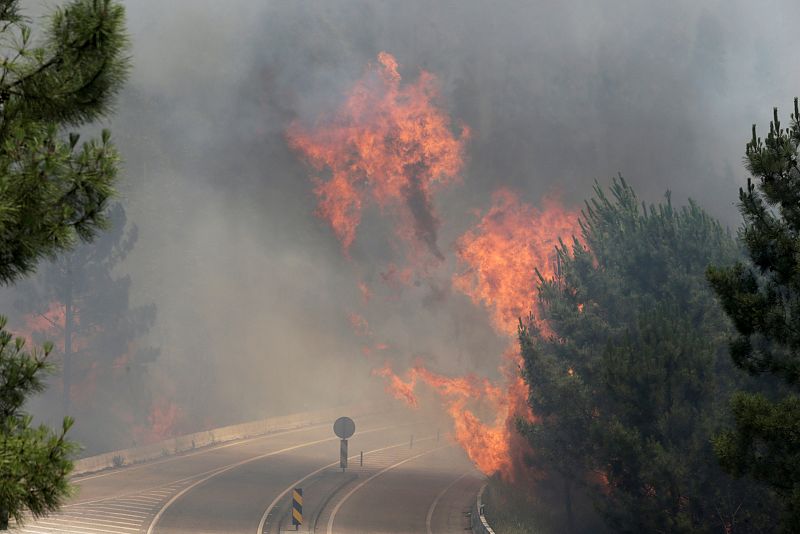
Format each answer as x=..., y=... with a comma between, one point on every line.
x=391, y=145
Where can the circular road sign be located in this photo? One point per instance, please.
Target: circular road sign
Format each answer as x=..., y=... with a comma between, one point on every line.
x=344, y=427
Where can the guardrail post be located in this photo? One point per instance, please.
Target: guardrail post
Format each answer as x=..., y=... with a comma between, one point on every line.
x=478, y=520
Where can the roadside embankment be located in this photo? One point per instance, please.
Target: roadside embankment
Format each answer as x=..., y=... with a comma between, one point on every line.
x=215, y=436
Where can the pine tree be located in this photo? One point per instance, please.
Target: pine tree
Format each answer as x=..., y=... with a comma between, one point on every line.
x=83, y=306
x=53, y=192
x=629, y=379
x=762, y=298
x=34, y=461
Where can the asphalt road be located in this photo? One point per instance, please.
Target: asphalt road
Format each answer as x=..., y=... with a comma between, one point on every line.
x=245, y=486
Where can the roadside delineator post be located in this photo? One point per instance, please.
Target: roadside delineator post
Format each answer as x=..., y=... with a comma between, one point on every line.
x=297, y=508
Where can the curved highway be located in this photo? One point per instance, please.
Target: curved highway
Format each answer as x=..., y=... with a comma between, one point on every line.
x=419, y=484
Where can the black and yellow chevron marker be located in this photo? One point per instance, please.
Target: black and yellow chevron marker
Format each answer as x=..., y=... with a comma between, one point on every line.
x=297, y=506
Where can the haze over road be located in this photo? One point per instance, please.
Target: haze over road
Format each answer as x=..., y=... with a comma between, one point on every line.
x=245, y=486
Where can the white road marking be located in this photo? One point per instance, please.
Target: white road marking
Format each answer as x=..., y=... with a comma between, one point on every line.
x=219, y=471
x=115, y=507
x=129, y=507
x=301, y=480
x=110, y=513
x=129, y=513
x=94, y=523
x=59, y=525
x=429, y=517
x=79, y=517
x=367, y=481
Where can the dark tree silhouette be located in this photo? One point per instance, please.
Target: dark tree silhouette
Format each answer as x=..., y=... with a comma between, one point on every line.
x=762, y=298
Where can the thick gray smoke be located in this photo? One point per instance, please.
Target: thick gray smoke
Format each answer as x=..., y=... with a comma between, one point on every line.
x=253, y=292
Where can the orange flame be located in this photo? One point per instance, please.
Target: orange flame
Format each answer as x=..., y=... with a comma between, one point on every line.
x=389, y=144
x=501, y=255
x=489, y=446
x=395, y=386
x=503, y=251
x=49, y=325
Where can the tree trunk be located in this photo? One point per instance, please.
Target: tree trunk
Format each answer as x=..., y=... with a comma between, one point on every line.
x=3, y=519
x=568, y=505
x=68, y=312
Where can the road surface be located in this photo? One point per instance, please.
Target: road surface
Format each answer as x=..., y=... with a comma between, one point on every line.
x=424, y=486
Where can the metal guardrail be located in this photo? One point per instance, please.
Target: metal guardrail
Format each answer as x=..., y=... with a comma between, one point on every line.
x=477, y=519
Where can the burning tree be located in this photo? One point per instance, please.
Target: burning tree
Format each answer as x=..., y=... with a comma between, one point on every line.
x=53, y=192
x=388, y=144
x=763, y=301
x=629, y=381
x=391, y=145
x=82, y=304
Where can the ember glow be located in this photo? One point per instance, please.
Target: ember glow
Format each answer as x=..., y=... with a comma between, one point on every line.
x=366, y=292
x=396, y=278
x=389, y=144
x=89, y=373
x=359, y=324
x=49, y=325
x=163, y=422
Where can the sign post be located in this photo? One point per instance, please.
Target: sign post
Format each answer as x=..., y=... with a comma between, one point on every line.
x=344, y=427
